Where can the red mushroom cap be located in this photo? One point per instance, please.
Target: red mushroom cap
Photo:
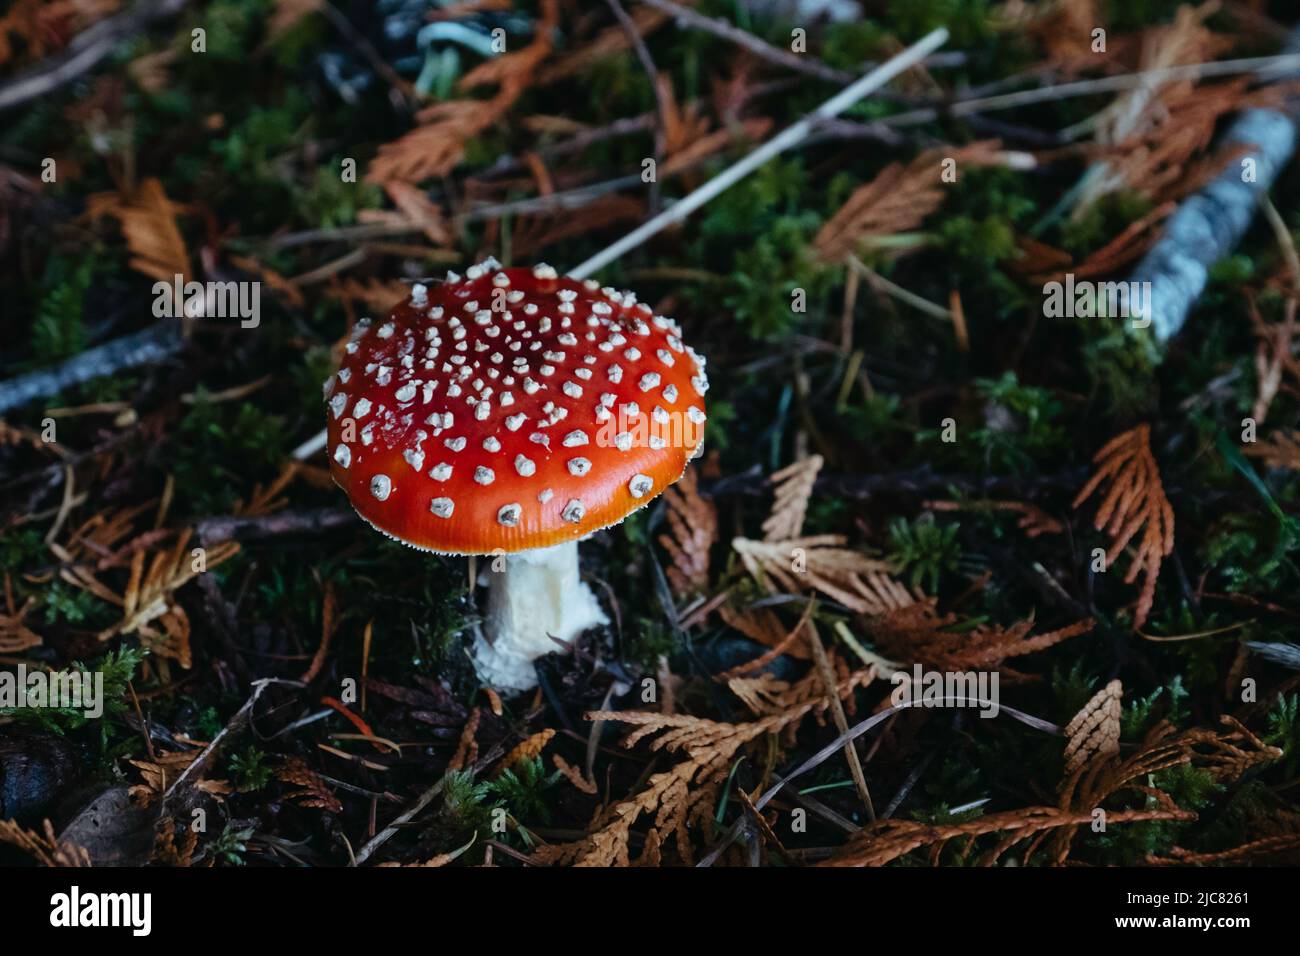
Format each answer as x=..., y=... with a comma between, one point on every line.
x=511, y=409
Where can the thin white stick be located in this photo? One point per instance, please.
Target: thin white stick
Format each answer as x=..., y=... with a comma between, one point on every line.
x=1268, y=68
x=310, y=446
x=789, y=137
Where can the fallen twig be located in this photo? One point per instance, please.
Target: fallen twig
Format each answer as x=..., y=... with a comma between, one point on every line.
x=234, y=528
x=154, y=344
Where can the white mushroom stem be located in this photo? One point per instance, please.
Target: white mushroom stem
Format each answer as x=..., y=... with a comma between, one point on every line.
x=537, y=597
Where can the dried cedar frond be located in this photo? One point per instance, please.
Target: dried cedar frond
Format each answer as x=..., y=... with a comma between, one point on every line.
x=442, y=859
x=920, y=634
x=1033, y=520
x=264, y=500
x=885, y=841
x=1273, y=357
x=899, y=199
x=1280, y=450
x=1094, y=730
x=533, y=233
x=1225, y=753
x=329, y=623
x=1276, y=849
x=1228, y=754
x=467, y=749
x=794, y=486
x=1065, y=32
x=1165, y=157
x=573, y=775
x=1127, y=247
x=1150, y=133
x=162, y=771
x=166, y=850
x=15, y=635
x=762, y=624
x=103, y=537
x=312, y=790
x=375, y=294
x=609, y=41
x=821, y=563
x=1134, y=501
x=148, y=220
x=651, y=853
x=43, y=847
x=762, y=693
x=420, y=211
x=693, y=521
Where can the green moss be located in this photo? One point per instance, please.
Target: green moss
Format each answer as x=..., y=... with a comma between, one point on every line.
x=21, y=550
x=1102, y=221
x=249, y=770
x=1284, y=732
x=328, y=201
x=64, y=603
x=1020, y=426
x=117, y=668
x=221, y=449
x=523, y=790
x=923, y=551
x=59, y=329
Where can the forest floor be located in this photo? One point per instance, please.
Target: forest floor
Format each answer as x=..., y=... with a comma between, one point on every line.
x=912, y=467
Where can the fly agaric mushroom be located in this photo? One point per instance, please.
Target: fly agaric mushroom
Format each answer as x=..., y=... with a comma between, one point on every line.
x=514, y=412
